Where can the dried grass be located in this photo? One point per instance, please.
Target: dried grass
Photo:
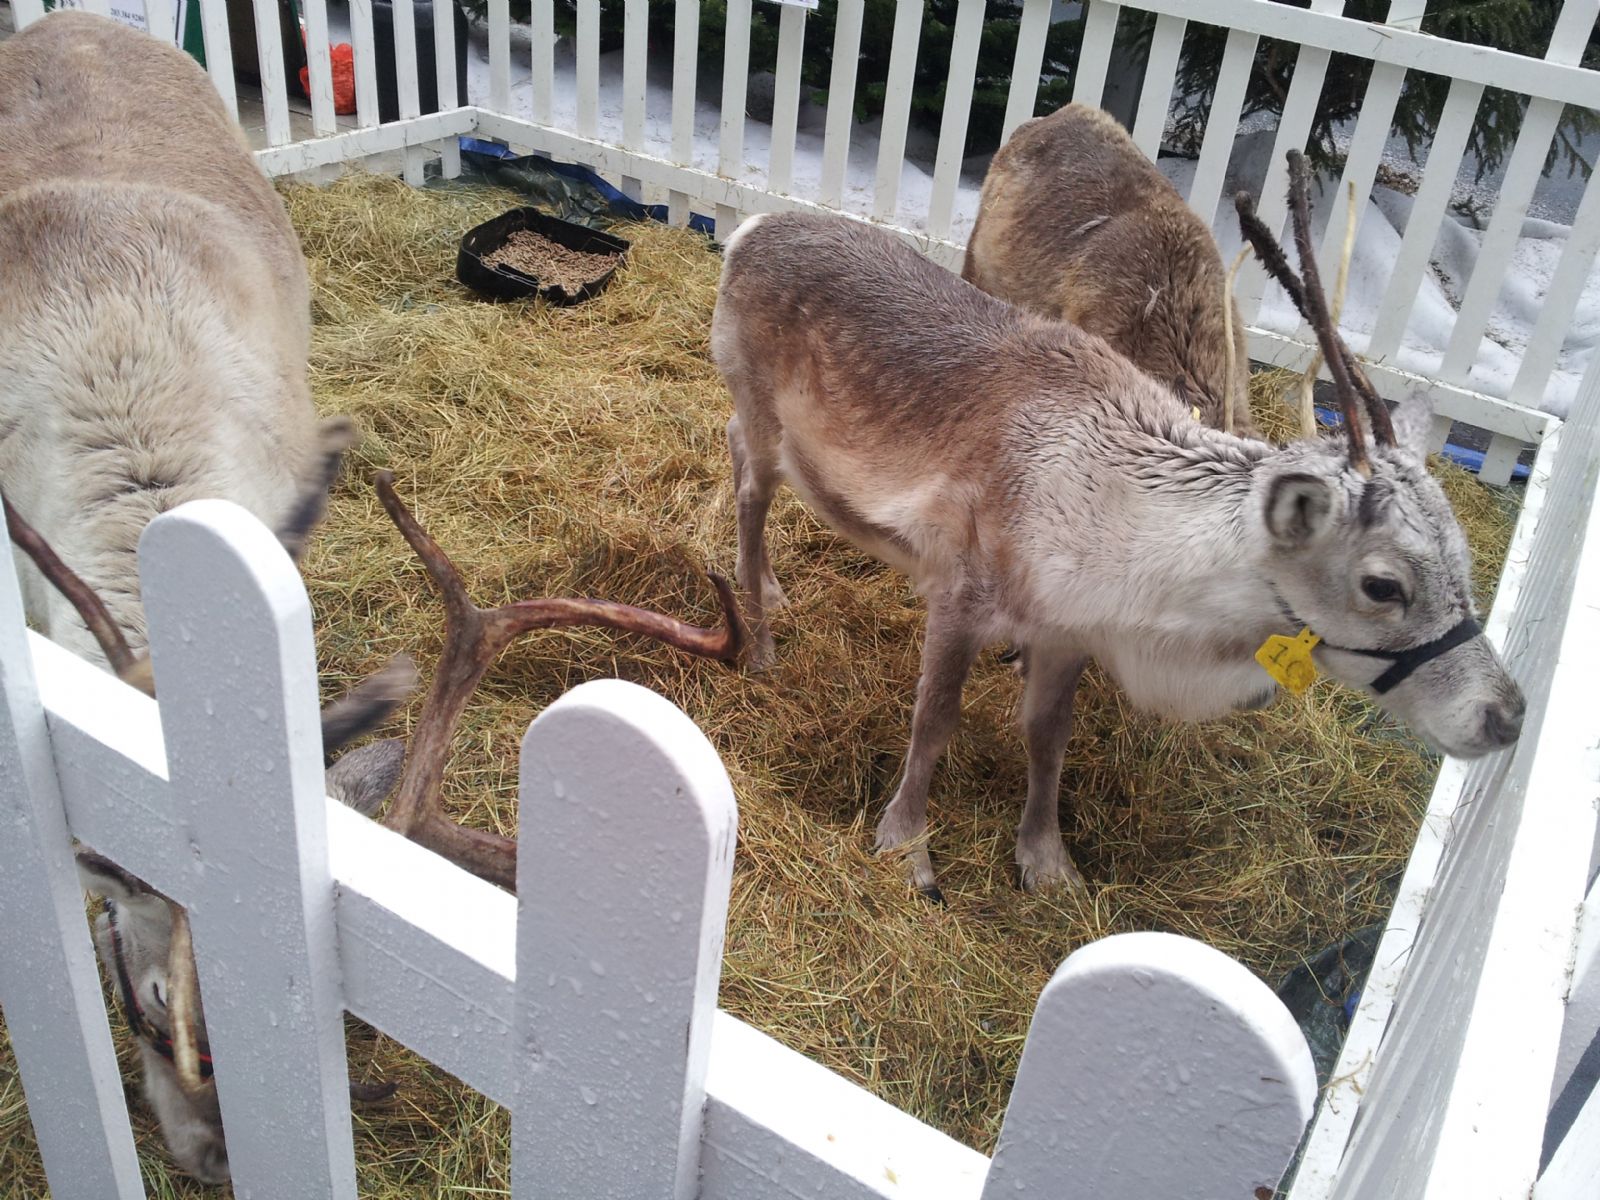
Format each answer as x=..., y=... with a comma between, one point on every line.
x=581, y=450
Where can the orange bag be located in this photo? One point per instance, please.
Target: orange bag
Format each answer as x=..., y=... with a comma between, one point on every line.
x=344, y=78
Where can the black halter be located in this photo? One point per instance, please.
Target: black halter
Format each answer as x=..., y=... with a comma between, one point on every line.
x=1401, y=662
x=142, y=1028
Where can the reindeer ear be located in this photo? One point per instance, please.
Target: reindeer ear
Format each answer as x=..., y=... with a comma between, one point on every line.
x=1299, y=509
x=1413, y=422
x=364, y=777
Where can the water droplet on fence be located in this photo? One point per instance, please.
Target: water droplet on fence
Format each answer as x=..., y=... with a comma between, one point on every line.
x=589, y=1096
x=261, y=713
x=1184, y=1074
x=577, y=985
x=455, y=1031
x=598, y=968
x=559, y=789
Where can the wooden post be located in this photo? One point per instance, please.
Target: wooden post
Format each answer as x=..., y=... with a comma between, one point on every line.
x=626, y=858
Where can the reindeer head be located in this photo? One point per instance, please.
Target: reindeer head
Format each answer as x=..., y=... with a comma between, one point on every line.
x=143, y=937
x=1363, y=548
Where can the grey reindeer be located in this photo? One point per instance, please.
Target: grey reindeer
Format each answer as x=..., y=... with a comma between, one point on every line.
x=1040, y=489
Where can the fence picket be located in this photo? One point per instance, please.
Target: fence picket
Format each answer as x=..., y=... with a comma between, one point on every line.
x=735, y=72
x=786, y=97
x=219, y=51
x=622, y=903
x=1026, y=65
x=408, y=102
x=449, y=85
x=319, y=67
x=685, y=50
x=364, y=51
x=1561, y=298
x=1294, y=131
x=1155, y=96
x=1099, y=31
x=957, y=111
x=543, y=17
x=1133, y=1043
x=1427, y=213
x=274, y=84
x=841, y=101
x=1575, y=1165
x=1222, y=126
x=635, y=41
x=1580, y=1023
x=500, y=55
x=239, y=716
x=49, y=987
x=897, y=108
x=26, y=12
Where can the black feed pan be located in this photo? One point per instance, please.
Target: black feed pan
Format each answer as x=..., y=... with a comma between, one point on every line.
x=507, y=283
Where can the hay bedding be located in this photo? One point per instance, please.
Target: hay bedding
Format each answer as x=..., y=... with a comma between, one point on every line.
x=581, y=450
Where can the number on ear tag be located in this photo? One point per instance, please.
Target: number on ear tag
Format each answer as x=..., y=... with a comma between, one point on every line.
x=1288, y=660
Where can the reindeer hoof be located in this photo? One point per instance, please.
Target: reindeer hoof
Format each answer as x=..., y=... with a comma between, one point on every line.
x=1049, y=874
x=931, y=892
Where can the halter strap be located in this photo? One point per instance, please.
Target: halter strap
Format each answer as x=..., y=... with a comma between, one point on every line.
x=141, y=1025
x=1401, y=662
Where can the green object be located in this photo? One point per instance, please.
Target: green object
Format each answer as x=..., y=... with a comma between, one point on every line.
x=191, y=35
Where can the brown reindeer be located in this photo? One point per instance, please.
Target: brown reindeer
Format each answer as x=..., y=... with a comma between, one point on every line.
x=1040, y=489
x=1076, y=223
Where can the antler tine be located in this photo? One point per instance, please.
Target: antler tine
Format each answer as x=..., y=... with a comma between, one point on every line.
x=128, y=666
x=474, y=638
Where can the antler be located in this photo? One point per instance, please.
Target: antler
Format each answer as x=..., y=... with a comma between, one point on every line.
x=474, y=638
x=1349, y=380
x=128, y=666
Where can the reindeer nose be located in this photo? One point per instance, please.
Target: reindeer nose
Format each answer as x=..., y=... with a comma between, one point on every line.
x=1502, y=721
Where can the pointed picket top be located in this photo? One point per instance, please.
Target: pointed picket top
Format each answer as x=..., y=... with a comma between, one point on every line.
x=1156, y=1068
x=625, y=861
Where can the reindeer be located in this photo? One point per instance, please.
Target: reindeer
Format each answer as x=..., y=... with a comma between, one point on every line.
x=143, y=937
x=154, y=331
x=1076, y=223
x=1039, y=488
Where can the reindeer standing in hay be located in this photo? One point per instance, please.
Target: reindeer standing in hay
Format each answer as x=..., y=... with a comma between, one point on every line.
x=154, y=330
x=1041, y=489
x=1077, y=224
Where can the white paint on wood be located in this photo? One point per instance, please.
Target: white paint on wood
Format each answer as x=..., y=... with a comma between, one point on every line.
x=897, y=108
x=957, y=110
x=274, y=85
x=735, y=72
x=364, y=52
x=1560, y=301
x=1294, y=133
x=685, y=51
x=1499, y=460
x=1427, y=213
x=635, y=38
x=235, y=671
x=357, y=144
x=444, y=57
x=1154, y=1066
x=1099, y=31
x=1027, y=65
x=1155, y=95
x=841, y=101
x=405, y=58
x=622, y=891
x=500, y=56
x=219, y=51
x=543, y=18
x=26, y=12
x=49, y=987
x=320, y=67
x=778, y=1125
x=786, y=97
x=1223, y=124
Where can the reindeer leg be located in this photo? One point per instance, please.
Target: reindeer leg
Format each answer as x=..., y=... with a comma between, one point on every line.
x=1051, y=683
x=755, y=479
x=947, y=655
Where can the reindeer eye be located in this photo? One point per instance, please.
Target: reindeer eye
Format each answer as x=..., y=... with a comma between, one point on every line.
x=1381, y=590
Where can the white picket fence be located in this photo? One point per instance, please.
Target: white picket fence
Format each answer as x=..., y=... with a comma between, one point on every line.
x=1485, y=989
x=586, y=1004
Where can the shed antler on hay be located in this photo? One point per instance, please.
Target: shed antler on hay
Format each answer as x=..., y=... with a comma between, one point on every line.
x=1349, y=380
x=474, y=638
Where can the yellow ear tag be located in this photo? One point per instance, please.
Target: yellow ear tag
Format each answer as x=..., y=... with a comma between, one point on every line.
x=1194, y=411
x=1288, y=659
